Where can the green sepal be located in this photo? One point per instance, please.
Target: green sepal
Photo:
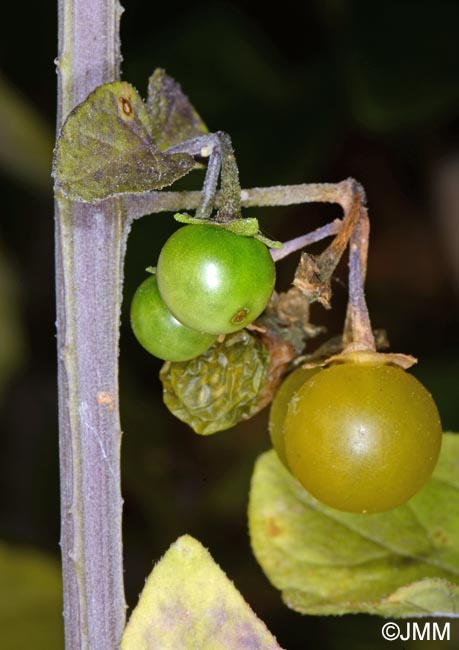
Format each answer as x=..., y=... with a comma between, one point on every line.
x=184, y=217
x=270, y=243
x=106, y=148
x=245, y=227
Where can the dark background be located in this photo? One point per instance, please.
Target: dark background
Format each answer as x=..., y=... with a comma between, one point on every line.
x=311, y=91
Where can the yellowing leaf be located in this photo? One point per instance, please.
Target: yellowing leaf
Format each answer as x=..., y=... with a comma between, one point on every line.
x=106, y=148
x=404, y=562
x=30, y=601
x=189, y=603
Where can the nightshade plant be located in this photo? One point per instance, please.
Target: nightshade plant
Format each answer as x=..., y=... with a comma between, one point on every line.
x=114, y=156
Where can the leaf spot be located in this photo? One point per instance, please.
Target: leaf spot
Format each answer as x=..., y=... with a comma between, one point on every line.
x=272, y=528
x=441, y=538
x=126, y=106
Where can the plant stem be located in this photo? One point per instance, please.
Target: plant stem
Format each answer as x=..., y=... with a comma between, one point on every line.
x=293, y=245
x=210, y=144
x=230, y=206
x=358, y=333
x=90, y=244
x=140, y=205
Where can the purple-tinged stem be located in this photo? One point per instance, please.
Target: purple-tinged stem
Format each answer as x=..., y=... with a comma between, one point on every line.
x=140, y=205
x=358, y=325
x=90, y=244
x=293, y=245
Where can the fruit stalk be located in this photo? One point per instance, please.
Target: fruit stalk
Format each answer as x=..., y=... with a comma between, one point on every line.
x=90, y=244
x=358, y=333
x=140, y=205
x=301, y=242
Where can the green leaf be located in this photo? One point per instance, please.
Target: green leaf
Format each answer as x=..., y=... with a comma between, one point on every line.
x=404, y=562
x=30, y=601
x=106, y=148
x=189, y=603
x=173, y=119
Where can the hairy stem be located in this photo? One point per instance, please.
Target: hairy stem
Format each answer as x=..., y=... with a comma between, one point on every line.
x=357, y=330
x=207, y=146
x=301, y=242
x=230, y=206
x=90, y=243
x=350, y=198
x=140, y=205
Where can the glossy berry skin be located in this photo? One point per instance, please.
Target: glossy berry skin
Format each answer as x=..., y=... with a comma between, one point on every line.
x=213, y=280
x=159, y=332
x=362, y=438
x=280, y=404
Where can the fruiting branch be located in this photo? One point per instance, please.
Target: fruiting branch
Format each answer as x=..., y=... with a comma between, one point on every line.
x=140, y=205
x=314, y=274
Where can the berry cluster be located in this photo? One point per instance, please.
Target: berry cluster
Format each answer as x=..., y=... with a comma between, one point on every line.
x=209, y=281
x=360, y=435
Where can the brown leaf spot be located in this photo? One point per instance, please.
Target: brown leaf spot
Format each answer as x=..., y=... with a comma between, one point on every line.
x=125, y=105
x=272, y=528
x=441, y=538
x=105, y=399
